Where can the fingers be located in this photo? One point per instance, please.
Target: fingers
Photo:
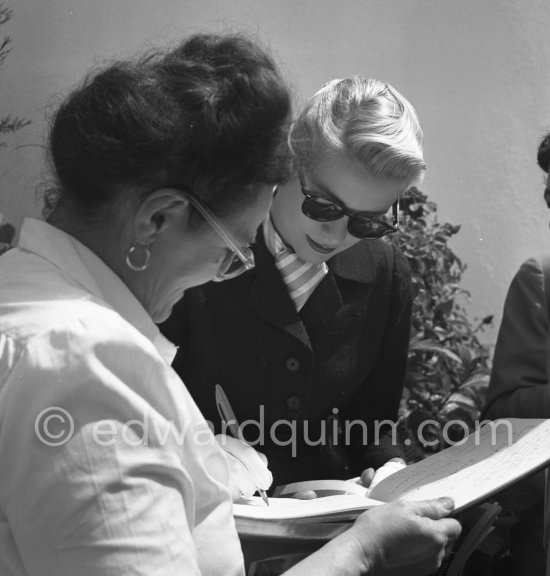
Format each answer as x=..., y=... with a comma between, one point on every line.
x=408, y=537
x=239, y=478
x=253, y=464
x=248, y=468
x=367, y=477
x=235, y=491
x=448, y=548
x=305, y=495
x=392, y=465
x=262, y=457
x=398, y=460
x=451, y=528
x=434, y=509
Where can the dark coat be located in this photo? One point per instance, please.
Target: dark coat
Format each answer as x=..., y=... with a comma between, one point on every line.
x=344, y=353
x=520, y=378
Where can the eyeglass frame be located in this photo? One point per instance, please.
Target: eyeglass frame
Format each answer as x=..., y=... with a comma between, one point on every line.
x=344, y=211
x=244, y=254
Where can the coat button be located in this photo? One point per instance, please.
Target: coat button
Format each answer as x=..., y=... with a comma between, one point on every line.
x=293, y=402
x=292, y=364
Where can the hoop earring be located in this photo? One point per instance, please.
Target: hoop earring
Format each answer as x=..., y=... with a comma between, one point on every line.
x=138, y=267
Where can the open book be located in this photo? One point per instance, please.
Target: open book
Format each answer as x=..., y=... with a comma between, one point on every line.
x=495, y=456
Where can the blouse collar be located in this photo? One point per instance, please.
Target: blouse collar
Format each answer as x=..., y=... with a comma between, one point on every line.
x=86, y=268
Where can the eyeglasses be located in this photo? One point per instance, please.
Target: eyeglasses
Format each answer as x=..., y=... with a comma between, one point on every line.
x=360, y=225
x=238, y=258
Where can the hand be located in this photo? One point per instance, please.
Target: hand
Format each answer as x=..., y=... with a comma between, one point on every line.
x=305, y=495
x=370, y=477
x=406, y=537
x=247, y=467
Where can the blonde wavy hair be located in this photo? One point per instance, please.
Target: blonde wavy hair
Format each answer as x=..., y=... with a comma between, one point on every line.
x=366, y=119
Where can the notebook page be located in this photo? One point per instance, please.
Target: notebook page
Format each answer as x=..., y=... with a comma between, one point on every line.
x=293, y=508
x=471, y=471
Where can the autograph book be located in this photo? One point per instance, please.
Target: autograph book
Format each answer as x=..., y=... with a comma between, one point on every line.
x=495, y=456
x=491, y=458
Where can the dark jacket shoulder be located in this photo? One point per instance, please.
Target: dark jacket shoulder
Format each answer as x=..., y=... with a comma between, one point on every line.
x=368, y=260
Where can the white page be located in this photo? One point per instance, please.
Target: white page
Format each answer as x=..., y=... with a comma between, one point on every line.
x=469, y=472
x=293, y=508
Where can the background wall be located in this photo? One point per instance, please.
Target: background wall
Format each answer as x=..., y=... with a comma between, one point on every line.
x=477, y=71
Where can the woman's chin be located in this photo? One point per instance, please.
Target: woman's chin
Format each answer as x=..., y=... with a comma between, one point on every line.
x=159, y=316
x=162, y=312
x=307, y=254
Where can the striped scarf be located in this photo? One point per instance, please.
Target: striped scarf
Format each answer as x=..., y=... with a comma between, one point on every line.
x=301, y=278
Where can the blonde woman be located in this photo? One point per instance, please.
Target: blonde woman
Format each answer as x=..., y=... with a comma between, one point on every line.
x=315, y=337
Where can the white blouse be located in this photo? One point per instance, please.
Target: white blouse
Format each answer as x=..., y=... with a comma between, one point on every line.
x=106, y=464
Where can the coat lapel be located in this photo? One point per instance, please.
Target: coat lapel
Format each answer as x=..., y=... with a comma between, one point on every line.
x=324, y=303
x=354, y=264
x=269, y=297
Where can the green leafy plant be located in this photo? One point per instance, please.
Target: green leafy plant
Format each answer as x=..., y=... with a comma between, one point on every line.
x=9, y=123
x=449, y=366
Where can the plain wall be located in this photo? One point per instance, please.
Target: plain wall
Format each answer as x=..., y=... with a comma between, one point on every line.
x=477, y=71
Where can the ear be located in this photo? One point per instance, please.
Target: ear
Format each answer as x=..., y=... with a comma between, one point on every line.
x=158, y=212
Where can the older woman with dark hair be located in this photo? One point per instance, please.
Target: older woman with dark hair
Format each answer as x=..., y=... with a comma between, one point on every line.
x=166, y=168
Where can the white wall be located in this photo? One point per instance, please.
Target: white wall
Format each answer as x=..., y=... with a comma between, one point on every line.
x=478, y=72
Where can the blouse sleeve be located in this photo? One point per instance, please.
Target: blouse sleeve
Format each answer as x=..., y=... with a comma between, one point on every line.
x=98, y=461
x=519, y=380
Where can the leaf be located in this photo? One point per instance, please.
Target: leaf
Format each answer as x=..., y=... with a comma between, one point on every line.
x=448, y=366
x=476, y=381
x=460, y=398
x=438, y=350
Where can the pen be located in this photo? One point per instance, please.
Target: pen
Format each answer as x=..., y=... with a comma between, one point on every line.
x=228, y=416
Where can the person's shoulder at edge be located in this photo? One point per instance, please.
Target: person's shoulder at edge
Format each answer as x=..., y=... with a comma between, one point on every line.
x=534, y=265
x=367, y=260
x=528, y=283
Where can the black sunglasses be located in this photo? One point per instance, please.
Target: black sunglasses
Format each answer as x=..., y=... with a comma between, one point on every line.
x=360, y=225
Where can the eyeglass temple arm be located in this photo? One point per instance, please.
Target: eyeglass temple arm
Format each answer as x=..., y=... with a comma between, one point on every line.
x=395, y=213
x=219, y=229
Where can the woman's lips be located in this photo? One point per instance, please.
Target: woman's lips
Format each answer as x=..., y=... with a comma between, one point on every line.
x=320, y=247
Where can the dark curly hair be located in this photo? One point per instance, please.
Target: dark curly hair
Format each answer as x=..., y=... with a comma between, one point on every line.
x=543, y=154
x=209, y=116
